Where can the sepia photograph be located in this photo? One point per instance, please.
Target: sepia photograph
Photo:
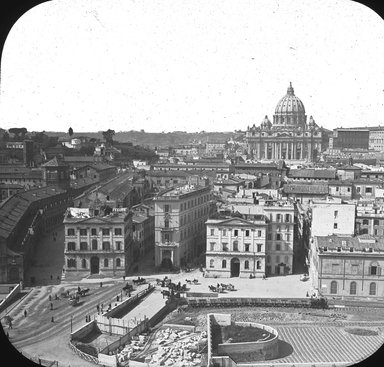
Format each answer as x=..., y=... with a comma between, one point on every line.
x=192, y=183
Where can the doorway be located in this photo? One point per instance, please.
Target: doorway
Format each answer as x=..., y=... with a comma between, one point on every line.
x=95, y=265
x=235, y=267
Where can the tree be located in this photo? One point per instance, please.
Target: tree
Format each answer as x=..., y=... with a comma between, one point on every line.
x=70, y=132
x=108, y=136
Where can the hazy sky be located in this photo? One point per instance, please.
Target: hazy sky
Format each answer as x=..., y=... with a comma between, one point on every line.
x=191, y=64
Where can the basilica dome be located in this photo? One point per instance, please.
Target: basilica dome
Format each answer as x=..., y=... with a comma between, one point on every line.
x=290, y=111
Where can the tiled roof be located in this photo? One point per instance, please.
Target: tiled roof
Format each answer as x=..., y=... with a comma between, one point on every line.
x=54, y=162
x=305, y=189
x=346, y=242
x=312, y=173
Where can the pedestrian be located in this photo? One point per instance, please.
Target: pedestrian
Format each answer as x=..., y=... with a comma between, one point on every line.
x=58, y=278
x=307, y=294
x=101, y=284
x=50, y=297
x=129, y=293
x=86, y=318
x=25, y=313
x=51, y=304
x=117, y=298
x=78, y=289
x=98, y=308
x=56, y=297
x=123, y=277
x=52, y=319
x=51, y=276
x=67, y=292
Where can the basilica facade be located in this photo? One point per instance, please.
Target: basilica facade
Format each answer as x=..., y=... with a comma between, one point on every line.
x=289, y=137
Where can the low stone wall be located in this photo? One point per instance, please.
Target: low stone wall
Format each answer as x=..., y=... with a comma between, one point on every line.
x=201, y=294
x=262, y=349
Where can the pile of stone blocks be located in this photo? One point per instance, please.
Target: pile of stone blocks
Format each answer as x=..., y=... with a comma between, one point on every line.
x=177, y=348
x=134, y=347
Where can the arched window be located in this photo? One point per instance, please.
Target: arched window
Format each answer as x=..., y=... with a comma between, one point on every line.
x=83, y=263
x=211, y=263
x=105, y=263
x=352, y=288
x=94, y=244
x=224, y=264
x=71, y=263
x=333, y=287
x=372, y=289
x=246, y=264
x=258, y=264
x=118, y=263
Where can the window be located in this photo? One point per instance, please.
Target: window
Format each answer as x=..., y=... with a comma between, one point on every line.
x=246, y=247
x=334, y=225
x=83, y=263
x=258, y=233
x=166, y=208
x=83, y=246
x=287, y=217
x=376, y=222
x=236, y=232
x=286, y=259
x=269, y=237
x=83, y=232
x=106, y=263
x=278, y=236
x=94, y=244
x=352, y=288
x=354, y=268
x=106, y=246
x=373, y=270
x=365, y=221
x=277, y=259
x=118, y=245
x=333, y=287
x=246, y=264
x=71, y=263
x=247, y=233
x=336, y=213
x=118, y=232
x=288, y=237
x=71, y=232
x=368, y=190
x=71, y=246
x=258, y=264
x=224, y=264
x=212, y=231
x=372, y=289
x=358, y=188
x=277, y=246
x=224, y=232
x=166, y=223
x=211, y=263
x=105, y=231
x=118, y=263
x=225, y=246
x=259, y=246
x=212, y=244
x=93, y=232
x=278, y=217
x=235, y=246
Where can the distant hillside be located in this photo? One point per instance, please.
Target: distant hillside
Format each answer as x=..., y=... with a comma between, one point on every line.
x=153, y=140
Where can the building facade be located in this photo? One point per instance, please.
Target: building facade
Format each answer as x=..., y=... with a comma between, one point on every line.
x=97, y=241
x=347, y=266
x=235, y=248
x=289, y=137
x=180, y=215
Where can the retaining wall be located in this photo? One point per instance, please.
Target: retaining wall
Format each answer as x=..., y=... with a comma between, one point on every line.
x=83, y=331
x=13, y=289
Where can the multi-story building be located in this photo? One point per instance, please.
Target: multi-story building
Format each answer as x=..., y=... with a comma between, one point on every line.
x=347, y=266
x=289, y=137
x=370, y=218
x=143, y=230
x=311, y=175
x=280, y=243
x=332, y=217
x=98, y=241
x=180, y=215
x=236, y=247
x=341, y=189
x=376, y=138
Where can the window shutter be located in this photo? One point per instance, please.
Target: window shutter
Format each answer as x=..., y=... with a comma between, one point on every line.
x=379, y=270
